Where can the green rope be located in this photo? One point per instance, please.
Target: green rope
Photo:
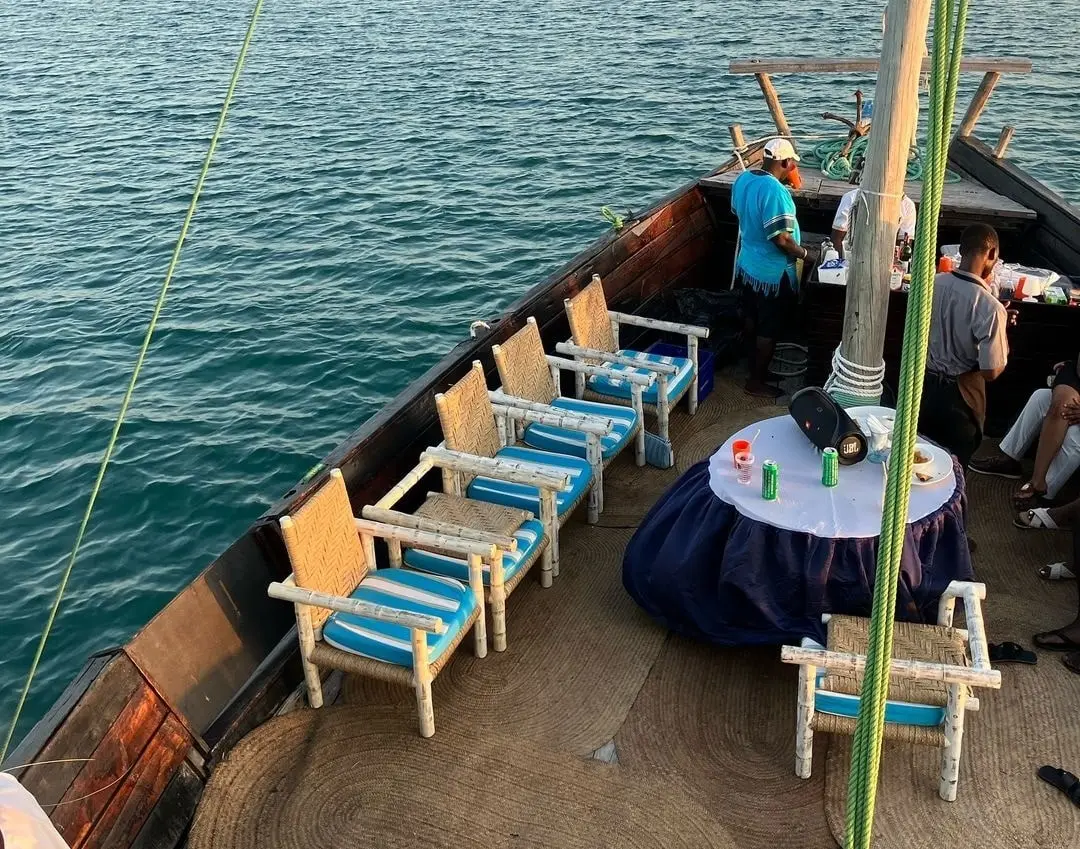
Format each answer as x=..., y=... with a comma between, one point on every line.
x=826, y=156
x=173, y=262
x=612, y=217
x=866, y=745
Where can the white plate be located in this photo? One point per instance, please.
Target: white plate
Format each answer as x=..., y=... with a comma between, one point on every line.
x=939, y=469
x=861, y=414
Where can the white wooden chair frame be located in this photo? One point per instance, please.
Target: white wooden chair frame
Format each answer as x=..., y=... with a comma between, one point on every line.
x=420, y=625
x=958, y=678
x=638, y=384
x=662, y=371
x=550, y=482
x=517, y=412
x=382, y=511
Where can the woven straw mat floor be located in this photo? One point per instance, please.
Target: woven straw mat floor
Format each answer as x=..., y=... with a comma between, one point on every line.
x=696, y=744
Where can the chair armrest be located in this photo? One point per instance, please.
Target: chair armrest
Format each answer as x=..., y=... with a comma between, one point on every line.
x=557, y=418
x=599, y=371
x=422, y=523
x=288, y=591
x=657, y=324
x=425, y=539
x=855, y=664
x=512, y=471
x=608, y=357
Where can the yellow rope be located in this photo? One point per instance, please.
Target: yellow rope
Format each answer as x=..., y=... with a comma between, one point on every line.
x=173, y=262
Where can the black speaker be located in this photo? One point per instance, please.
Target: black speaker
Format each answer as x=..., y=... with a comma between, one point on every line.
x=827, y=424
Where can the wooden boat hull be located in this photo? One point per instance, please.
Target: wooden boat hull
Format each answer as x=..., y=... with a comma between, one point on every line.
x=221, y=657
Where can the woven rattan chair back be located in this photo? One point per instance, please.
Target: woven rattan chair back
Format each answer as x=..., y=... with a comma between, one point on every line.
x=590, y=326
x=323, y=545
x=523, y=367
x=467, y=417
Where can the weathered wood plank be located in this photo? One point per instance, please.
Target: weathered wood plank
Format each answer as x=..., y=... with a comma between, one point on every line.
x=30, y=747
x=671, y=240
x=83, y=730
x=100, y=778
x=137, y=794
x=169, y=821
x=865, y=64
x=978, y=103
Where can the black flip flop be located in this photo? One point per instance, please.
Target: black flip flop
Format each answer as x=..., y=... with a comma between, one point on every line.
x=1071, y=662
x=1063, y=780
x=1065, y=644
x=1011, y=653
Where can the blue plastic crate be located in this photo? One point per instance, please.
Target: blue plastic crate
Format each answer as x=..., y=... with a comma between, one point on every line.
x=705, y=363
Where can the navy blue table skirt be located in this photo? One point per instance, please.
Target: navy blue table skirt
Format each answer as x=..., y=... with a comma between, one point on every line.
x=702, y=569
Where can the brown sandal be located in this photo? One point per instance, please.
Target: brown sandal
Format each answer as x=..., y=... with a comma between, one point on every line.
x=1028, y=497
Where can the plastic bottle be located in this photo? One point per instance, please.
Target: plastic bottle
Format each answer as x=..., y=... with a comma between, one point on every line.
x=945, y=265
x=1018, y=293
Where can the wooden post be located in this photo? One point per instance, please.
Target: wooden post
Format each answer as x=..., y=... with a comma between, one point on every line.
x=737, y=137
x=772, y=99
x=1003, y=141
x=804, y=730
x=978, y=103
x=425, y=708
x=874, y=240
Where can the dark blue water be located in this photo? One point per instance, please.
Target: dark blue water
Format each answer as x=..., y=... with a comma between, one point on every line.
x=390, y=171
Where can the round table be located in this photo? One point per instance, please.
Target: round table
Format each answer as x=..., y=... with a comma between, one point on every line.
x=714, y=561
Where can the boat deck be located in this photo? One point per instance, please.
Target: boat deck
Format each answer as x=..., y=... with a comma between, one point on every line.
x=598, y=728
x=965, y=198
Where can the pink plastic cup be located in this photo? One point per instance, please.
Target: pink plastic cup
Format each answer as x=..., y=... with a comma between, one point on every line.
x=744, y=462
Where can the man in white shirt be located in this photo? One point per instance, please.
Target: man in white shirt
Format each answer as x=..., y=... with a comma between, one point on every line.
x=848, y=211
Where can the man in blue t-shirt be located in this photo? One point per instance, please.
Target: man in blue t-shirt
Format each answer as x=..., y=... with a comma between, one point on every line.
x=768, y=250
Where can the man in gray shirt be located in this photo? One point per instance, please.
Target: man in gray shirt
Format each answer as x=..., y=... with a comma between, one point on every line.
x=967, y=347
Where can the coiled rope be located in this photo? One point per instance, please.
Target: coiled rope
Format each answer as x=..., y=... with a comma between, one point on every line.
x=170, y=270
x=851, y=384
x=826, y=156
x=866, y=746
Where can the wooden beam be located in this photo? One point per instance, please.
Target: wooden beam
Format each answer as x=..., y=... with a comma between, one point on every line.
x=866, y=305
x=851, y=65
x=737, y=137
x=1003, y=141
x=773, y=101
x=978, y=103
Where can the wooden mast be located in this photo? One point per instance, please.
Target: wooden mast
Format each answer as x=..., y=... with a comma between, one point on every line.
x=875, y=218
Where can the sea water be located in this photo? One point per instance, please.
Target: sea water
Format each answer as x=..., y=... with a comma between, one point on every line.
x=390, y=172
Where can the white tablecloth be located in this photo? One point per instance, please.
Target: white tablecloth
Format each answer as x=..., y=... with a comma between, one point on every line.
x=850, y=509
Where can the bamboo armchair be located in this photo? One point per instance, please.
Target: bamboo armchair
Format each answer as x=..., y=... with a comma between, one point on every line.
x=392, y=624
x=475, y=458
x=595, y=338
x=529, y=376
x=933, y=670
x=519, y=540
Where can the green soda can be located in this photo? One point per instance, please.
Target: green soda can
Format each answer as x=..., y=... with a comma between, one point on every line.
x=830, y=467
x=770, y=480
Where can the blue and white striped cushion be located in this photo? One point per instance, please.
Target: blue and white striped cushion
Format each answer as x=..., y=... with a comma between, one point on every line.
x=528, y=536
x=560, y=440
x=621, y=389
x=450, y=600
x=528, y=497
x=902, y=713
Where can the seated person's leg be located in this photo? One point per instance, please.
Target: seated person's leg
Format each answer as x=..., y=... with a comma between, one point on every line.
x=1052, y=435
x=1067, y=638
x=1065, y=463
x=1006, y=462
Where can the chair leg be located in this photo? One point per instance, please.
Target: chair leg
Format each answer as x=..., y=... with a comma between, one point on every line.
x=692, y=397
x=498, y=604
x=307, y=644
x=422, y=682
x=595, y=457
x=639, y=439
x=476, y=583
x=663, y=407
x=804, y=730
x=954, y=740
x=549, y=518
x=579, y=385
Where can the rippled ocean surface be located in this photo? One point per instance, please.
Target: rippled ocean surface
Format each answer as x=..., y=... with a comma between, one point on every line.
x=390, y=171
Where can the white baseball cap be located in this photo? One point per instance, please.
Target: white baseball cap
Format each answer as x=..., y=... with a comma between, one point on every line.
x=780, y=149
